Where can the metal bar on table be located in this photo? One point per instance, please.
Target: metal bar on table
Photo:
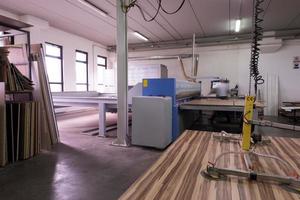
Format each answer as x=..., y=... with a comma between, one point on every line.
x=275, y=125
x=212, y=108
x=258, y=176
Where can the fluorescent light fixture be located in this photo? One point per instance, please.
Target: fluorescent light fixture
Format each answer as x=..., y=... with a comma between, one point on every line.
x=93, y=7
x=237, y=25
x=140, y=36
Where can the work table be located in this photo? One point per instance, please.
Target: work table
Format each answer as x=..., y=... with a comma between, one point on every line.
x=177, y=173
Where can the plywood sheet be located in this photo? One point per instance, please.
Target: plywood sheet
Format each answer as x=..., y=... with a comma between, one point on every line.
x=177, y=173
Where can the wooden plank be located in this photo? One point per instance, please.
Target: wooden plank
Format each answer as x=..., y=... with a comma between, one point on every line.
x=221, y=102
x=44, y=96
x=177, y=173
x=3, y=157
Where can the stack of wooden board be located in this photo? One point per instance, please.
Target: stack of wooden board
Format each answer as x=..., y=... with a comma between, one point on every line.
x=22, y=129
x=16, y=81
x=10, y=74
x=26, y=124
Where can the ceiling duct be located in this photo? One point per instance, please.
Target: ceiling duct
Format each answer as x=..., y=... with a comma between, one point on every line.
x=166, y=57
x=212, y=41
x=270, y=45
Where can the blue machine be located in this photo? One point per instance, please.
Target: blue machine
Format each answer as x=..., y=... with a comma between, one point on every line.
x=164, y=87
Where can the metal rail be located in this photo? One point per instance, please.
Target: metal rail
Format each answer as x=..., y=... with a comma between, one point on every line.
x=253, y=175
x=274, y=124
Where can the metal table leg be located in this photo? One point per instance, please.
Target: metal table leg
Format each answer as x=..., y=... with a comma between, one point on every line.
x=102, y=120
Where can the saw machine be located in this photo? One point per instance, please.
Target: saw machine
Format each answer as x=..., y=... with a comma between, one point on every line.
x=156, y=120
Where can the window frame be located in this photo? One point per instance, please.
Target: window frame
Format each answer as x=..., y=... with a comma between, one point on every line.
x=105, y=58
x=61, y=63
x=100, y=65
x=87, y=67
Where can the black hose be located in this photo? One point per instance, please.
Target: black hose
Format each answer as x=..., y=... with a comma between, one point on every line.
x=143, y=15
x=172, y=12
x=255, y=50
x=159, y=7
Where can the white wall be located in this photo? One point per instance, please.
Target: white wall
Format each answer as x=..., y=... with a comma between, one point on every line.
x=232, y=62
x=42, y=32
x=281, y=63
x=70, y=44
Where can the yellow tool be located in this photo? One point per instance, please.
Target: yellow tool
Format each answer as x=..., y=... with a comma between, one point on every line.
x=248, y=115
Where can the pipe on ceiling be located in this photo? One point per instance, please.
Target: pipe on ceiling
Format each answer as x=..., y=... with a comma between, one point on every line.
x=208, y=41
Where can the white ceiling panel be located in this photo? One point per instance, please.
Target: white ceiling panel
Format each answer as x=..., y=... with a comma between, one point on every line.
x=155, y=25
x=214, y=16
x=203, y=17
x=280, y=13
x=184, y=21
x=151, y=6
x=246, y=15
x=295, y=23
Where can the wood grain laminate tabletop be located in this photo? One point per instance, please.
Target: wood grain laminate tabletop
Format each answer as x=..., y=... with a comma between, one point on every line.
x=177, y=173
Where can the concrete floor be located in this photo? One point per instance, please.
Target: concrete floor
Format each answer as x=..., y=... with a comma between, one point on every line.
x=81, y=167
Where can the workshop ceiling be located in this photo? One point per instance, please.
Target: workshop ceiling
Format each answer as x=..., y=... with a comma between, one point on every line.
x=206, y=18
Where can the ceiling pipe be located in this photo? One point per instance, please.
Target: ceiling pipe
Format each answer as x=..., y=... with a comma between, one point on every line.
x=208, y=41
x=166, y=57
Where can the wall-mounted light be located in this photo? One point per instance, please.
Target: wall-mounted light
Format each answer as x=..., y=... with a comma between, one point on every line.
x=237, y=25
x=140, y=36
x=93, y=7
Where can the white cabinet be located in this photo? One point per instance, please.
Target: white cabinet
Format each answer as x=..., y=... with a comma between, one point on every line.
x=152, y=121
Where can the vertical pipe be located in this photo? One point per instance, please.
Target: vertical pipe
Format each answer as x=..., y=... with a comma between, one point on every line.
x=196, y=66
x=29, y=54
x=193, y=57
x=122, y=76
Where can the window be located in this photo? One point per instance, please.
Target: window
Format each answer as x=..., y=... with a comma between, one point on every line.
x=101, y=67
x=81, y=71
x=54, y=66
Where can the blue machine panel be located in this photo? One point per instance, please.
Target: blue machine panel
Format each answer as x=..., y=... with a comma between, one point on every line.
x=164, y=87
